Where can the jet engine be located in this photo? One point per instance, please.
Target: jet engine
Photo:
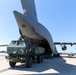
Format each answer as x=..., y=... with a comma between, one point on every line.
x=64, y=47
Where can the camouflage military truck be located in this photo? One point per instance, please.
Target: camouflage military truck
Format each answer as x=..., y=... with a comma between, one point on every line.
x=24, y=52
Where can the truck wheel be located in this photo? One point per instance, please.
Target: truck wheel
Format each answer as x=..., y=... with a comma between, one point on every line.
x=29, y=63
x=12, y=64
x=39, y=59
x=42, y=58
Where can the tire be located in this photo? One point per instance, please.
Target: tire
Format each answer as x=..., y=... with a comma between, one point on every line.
x=29, y=63
x=39, y=59
x=12, y=64
x=42, y=58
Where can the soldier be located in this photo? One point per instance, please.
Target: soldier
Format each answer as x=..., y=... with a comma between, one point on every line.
x=52, y=55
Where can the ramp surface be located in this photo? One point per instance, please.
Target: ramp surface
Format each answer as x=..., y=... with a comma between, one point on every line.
x=57, y=66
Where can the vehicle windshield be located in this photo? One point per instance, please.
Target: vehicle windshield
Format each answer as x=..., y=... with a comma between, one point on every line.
x=19, y=43
x=13, y=43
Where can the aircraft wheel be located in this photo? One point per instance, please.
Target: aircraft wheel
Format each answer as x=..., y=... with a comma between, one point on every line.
x=29, y=63
x=12, y=64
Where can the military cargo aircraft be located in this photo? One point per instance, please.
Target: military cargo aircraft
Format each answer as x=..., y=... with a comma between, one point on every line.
x=30, y=29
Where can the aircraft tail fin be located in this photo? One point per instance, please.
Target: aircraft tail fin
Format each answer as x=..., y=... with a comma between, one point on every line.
x=29, y=8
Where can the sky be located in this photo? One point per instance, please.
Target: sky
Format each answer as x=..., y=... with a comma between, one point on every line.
x=58, y=16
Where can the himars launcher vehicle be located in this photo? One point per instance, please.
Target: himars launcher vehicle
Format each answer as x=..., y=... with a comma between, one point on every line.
x=35, y=40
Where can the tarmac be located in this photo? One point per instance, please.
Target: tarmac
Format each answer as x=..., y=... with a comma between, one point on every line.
x=63, y=65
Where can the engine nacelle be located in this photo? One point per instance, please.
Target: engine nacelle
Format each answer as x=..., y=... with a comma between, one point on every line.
x=64, y=48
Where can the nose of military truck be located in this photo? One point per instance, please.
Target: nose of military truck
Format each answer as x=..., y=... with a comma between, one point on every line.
x=16, y=47
x=16, y=51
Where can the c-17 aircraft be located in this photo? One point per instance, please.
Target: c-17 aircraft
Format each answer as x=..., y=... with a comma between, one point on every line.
x=36, y=36
x=31, y=29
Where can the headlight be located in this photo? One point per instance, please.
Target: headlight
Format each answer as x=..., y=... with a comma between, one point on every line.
x=14, y=52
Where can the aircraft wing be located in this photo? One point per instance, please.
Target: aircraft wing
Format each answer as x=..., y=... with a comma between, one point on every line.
x=65, y=43
x=56, y=43
x=3, y=45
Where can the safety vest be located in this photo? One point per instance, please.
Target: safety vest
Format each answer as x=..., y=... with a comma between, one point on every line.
x=52, y=54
